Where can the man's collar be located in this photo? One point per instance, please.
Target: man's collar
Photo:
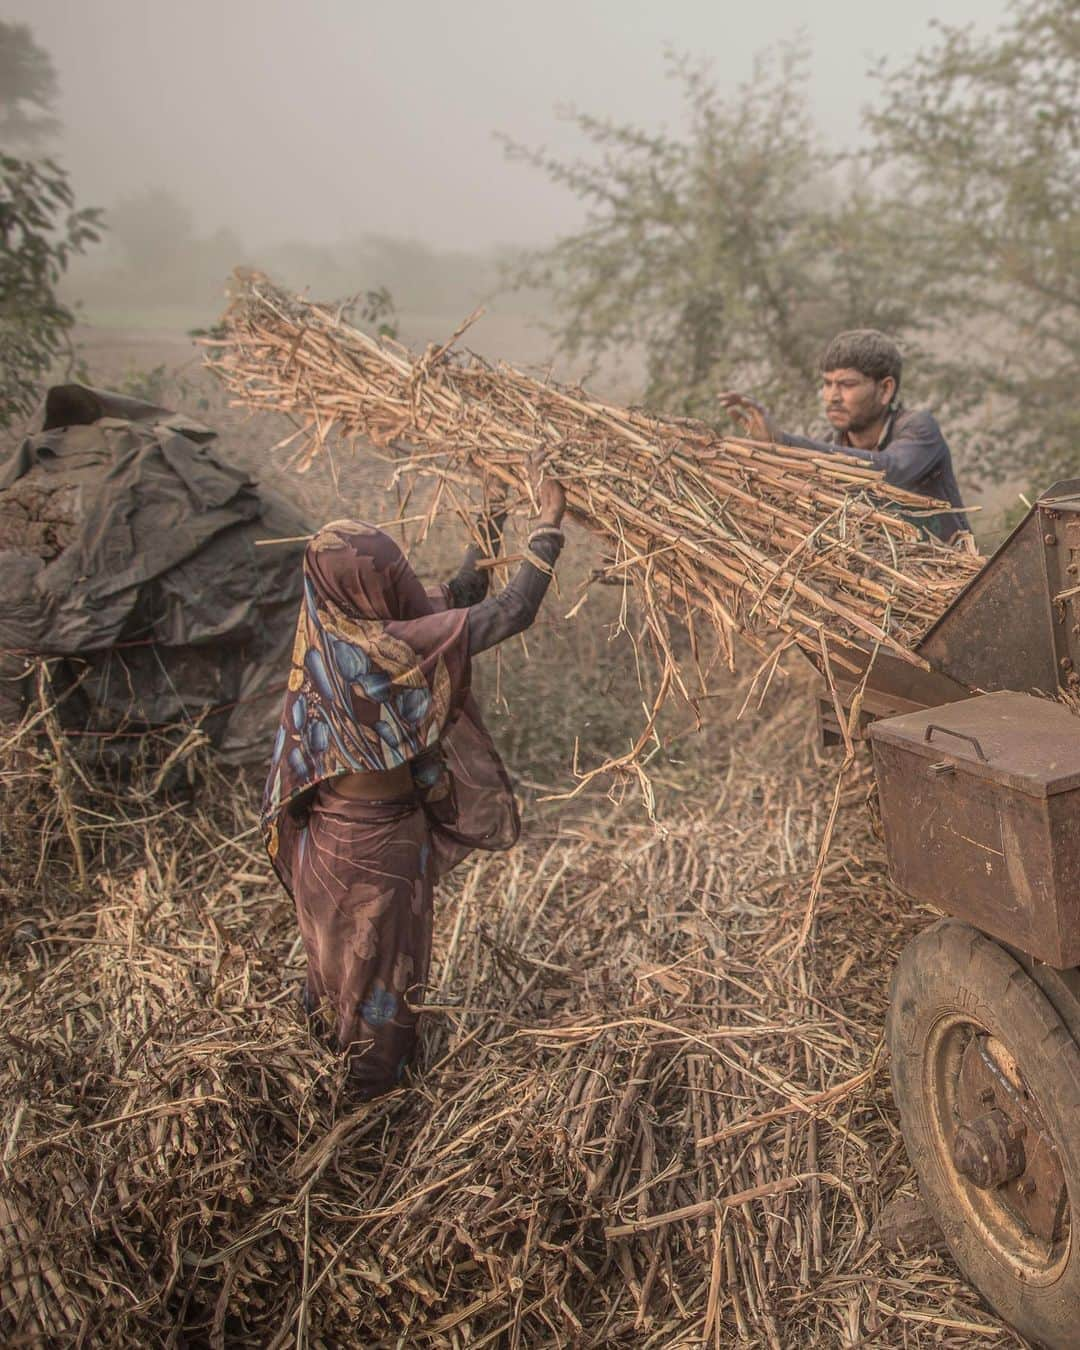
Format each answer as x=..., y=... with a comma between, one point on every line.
x=887, y=429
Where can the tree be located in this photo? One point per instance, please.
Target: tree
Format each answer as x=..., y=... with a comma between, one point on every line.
x=983, y=139
x=727, y=254
x=28, y=88
x=40, y=229
x=153, y=231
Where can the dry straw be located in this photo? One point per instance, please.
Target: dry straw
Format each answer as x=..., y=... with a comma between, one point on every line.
x=721, y=533
x=635, y=1125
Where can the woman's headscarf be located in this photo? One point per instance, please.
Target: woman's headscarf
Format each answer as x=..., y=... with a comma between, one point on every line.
x=380, y=677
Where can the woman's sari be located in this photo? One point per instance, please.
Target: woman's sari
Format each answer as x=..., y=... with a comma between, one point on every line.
x=380, y=677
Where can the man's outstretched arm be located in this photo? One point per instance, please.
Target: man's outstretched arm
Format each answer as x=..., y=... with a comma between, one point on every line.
x=917, y=451
x=919, y=447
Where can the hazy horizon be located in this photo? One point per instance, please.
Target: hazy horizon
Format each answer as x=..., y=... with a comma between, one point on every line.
x=336, y=120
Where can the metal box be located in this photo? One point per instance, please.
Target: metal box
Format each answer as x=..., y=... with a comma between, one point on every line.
x=980, y=804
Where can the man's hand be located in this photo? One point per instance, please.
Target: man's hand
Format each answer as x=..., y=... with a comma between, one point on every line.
x=750, y=415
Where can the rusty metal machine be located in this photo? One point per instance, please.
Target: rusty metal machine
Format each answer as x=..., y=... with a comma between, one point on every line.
x=977, y=761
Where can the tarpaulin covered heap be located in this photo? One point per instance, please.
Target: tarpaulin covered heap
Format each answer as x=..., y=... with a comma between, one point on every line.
x=127, y=548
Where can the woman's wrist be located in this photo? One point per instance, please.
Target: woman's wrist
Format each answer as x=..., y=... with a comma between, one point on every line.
x=547, y=532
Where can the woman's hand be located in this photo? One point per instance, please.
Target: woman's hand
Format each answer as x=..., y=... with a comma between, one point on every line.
x=552, y=502
x=490, y=529
x=550, y=491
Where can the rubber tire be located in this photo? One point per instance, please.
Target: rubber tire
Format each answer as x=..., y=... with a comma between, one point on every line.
x=952, y=968
x=1061, y=987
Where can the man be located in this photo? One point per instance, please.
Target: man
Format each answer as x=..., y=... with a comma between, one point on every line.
x=860, y=373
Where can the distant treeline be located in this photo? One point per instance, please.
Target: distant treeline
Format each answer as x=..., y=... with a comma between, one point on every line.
x=721, y=253
x=155, y=264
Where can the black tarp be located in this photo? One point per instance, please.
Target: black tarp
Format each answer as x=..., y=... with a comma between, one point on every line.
x=127, y=547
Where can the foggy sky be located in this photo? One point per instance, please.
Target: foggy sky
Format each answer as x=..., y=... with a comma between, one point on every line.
x=326, y=119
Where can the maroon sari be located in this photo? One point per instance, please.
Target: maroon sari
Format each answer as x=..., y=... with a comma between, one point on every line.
x=380, y=677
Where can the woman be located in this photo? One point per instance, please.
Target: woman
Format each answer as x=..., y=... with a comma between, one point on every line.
x=383, y=775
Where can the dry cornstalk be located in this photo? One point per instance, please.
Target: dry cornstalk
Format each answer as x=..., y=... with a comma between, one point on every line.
x=747, y=538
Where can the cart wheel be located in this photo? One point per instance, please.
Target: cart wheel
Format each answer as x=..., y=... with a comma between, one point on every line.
x=986, y=1074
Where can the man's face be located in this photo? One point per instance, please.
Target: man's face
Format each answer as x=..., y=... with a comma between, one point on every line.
x=854, y=401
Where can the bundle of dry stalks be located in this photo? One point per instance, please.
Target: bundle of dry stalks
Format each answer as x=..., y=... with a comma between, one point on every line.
x=746, y=538
x=633, y=1125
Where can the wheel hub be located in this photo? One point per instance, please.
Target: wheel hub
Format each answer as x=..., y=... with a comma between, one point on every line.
x=1001, y=1144
x=989, y=1151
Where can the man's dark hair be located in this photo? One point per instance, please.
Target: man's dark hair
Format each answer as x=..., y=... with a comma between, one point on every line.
x=865, y=350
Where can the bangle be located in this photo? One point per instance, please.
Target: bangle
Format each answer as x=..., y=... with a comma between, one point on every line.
x=547, y=532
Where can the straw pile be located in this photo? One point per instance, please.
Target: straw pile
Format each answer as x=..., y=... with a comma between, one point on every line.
x=744, y=538
x=638, y=1121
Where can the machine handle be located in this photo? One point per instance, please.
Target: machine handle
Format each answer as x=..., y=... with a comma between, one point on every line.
x=961, y=735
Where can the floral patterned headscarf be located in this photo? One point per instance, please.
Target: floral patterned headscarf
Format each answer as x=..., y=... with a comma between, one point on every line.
x=380, y=677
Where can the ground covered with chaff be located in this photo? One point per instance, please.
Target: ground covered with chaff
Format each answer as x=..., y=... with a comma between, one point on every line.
x=645, y=1114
